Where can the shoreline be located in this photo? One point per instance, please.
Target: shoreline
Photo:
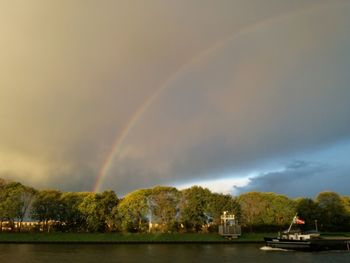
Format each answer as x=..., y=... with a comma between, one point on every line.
x=132, y=242
x=118, y=238
x=135, y=238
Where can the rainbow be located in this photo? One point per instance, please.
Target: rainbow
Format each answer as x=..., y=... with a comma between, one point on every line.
x=120, y=138
x=118, y=142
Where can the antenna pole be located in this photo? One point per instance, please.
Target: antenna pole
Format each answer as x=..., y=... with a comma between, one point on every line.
x=291, y=224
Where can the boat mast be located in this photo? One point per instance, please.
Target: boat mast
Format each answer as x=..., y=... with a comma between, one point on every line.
x=291, y=224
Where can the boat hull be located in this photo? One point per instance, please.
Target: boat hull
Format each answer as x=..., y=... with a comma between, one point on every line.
x=309, y=245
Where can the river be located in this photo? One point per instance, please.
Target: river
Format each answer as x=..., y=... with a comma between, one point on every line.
x=168, y=253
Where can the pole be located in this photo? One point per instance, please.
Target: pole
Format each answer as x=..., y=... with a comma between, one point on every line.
x=291, y=224
x=316, y=225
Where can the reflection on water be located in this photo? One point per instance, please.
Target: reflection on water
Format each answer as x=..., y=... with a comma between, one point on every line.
x=160, y=253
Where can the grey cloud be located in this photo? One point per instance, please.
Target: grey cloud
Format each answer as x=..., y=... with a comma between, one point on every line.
x=75, y=73
x=300, y=179
x=275, y=92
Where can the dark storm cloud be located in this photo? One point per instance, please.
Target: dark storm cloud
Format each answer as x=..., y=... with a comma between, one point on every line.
x=291, y=180
x=300, y=179
x=75, y=73
x=273, y=93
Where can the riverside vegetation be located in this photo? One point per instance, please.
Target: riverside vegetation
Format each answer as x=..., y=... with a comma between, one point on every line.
x=160, y=210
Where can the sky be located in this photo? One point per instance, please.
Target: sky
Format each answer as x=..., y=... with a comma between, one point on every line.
x=233, y=95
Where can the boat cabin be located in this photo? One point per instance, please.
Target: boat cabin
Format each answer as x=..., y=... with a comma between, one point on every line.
x=298, y=235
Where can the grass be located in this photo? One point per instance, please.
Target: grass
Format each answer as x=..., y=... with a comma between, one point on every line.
x=57, y=237
x=123, y=238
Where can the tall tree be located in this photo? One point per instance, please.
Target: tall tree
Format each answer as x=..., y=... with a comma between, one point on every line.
x=107, y=201
x=10, y=202
x=333, y=215
x=133, y=211
x=47, y=206
x=26, y=196
x=281, y=209
x=15, y=200
x=252, y=206
x=164, y=202
x=346, y=203
x=218, y=203
x=265, y=209
x=194, y=208
x=89, y=209
x=308, y=210
x=72, y=217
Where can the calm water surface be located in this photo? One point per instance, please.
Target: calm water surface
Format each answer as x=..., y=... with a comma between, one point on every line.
x=160, y=253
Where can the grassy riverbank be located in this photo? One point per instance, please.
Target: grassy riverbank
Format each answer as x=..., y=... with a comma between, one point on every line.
x=133, y=238
x=123, y=238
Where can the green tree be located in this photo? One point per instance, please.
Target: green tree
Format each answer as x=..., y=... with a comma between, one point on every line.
x=26, y=196
x=252, y=207
x=281, y=209
x=218, y=203
x=333, y=215
x=265, y=210
x=194, y=208
x=2, y=201
x=133, y=212
x=72, y=217
x=2, y=183
x=346, y=203
x=10, y=202
x=107, y=200
x=89, y=209
x=47, y=206
x=15, y=200
x=308, y=210
x=97, y=210
x=163, y=203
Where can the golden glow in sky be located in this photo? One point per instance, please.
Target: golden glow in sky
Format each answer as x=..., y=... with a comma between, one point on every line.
x=130, y=94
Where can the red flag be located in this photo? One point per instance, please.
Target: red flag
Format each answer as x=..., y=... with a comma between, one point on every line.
x=299, y=221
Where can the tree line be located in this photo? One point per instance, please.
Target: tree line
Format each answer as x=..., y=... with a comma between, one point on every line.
x=165, y=209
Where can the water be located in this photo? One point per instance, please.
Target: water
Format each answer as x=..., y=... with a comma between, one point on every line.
x=168, y=253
